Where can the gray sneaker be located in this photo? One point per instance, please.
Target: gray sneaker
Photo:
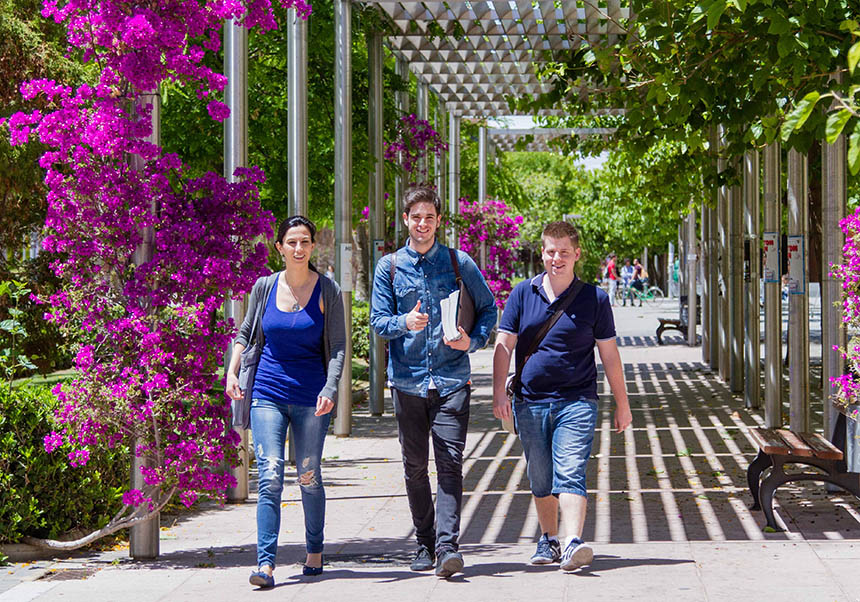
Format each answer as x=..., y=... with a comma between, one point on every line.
x=548, y=551
x=448, y=563
x=577, y=554
x=424, y=559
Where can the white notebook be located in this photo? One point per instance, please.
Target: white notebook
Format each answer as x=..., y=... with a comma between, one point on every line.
x=450, y=305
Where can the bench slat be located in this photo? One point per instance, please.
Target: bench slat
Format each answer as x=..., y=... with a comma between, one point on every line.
x=823, y=448
x=798, y=446
x=769, y=441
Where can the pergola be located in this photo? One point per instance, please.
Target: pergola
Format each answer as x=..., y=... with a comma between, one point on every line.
x=473, y=56
x=476, y=55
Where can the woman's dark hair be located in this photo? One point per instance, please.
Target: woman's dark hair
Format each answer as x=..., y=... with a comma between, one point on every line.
x=292, y=222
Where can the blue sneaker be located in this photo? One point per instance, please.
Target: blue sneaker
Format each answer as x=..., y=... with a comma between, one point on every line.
x=548, y=551
x=262, y=580
x=577, y=554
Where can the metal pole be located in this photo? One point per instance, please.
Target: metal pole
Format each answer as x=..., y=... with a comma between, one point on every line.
x=482, y=184
x=343, y=197
x=798, y=299
x=714, y=289
x=772, y=288
x=402, y=100
x=423, y=112
x=143, y=538
x=453, y=173
x=439, y=159
x=297, y=110
x=691, y=277
x=644, y=259
x=377, y=210
x=724, y=327
x=832, y=332
x=736, y=288
x=752, y=332
x=705, y=259
x=713, y=266
x=236, y=156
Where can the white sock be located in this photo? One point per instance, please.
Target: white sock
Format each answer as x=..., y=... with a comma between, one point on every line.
x=567, y=540
x=552, y=537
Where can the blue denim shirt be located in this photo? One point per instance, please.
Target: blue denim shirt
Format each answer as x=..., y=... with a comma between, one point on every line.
x=415, y=355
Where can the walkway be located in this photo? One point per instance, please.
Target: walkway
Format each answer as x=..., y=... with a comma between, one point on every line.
x=667, y=514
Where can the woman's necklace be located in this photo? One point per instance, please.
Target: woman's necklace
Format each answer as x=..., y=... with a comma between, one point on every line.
x=296, y=306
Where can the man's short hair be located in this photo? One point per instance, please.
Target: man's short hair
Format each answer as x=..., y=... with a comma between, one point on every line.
x=560, y=230
x=421, y=194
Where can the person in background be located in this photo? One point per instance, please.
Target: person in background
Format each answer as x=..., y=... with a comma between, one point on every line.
x=612, y=275
x=626, y=278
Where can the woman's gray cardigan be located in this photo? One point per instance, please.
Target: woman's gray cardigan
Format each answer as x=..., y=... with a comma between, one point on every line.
x=334, y=341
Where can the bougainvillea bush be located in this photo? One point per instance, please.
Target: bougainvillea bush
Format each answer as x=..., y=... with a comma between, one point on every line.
x=490, y=223
x=414, y=142
x=147, y=254
x=847, y=386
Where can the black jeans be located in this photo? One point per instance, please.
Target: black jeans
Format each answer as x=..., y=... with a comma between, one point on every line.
x=446, y=419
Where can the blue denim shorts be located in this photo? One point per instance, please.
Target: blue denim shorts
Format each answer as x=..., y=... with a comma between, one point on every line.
x=557, y=438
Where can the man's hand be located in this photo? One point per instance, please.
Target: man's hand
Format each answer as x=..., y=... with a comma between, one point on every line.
x=461, y=344
x=415, y=320
x=501, y=406
x=623, y=417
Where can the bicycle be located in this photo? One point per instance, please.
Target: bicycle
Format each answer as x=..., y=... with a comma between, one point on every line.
x=653, y=295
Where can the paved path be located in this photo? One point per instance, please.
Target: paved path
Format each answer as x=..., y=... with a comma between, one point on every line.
x=667, y=515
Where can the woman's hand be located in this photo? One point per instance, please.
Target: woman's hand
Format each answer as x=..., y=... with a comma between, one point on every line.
x=232, y=388
x=324, y=406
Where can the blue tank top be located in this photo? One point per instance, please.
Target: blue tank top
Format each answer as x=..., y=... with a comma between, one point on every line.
x=291, y=368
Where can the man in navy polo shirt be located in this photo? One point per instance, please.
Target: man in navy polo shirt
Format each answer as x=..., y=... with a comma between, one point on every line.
x=555, y=408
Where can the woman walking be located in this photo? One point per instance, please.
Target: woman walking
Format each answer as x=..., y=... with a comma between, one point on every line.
x=294, y=333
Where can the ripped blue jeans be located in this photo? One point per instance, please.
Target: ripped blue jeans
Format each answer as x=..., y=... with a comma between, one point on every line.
x=269, y=422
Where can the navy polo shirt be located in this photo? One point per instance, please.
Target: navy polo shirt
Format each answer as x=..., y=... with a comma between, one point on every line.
x=563, y=367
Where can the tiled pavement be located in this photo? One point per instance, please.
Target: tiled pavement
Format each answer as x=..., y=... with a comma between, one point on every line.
x=667, y=514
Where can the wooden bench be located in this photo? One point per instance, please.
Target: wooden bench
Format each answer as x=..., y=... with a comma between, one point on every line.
x=669, y=324
x=778, y=447
x=679, y=323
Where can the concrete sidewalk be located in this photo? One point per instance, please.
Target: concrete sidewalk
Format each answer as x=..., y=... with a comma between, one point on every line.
x=667, y=516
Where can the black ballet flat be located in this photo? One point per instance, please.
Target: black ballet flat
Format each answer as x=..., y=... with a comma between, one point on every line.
x=311, y=571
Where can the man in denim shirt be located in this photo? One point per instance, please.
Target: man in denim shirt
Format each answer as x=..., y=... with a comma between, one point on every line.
x=428, y=374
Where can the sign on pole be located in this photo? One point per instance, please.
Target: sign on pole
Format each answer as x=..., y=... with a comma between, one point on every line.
x=770, y=243
x=796, y=275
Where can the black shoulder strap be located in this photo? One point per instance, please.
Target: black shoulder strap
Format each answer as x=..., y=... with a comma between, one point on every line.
x=455, y=264
x=571, y=296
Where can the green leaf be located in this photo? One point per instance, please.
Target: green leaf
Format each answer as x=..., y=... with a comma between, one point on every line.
x=741, y=5
x=757, y=130
x=778, y=23
x=854, y=151
x=798, y=116
x=835, y=124
x=697, y=14
x=715, y=11
x=853, y=57
x=785, y=46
